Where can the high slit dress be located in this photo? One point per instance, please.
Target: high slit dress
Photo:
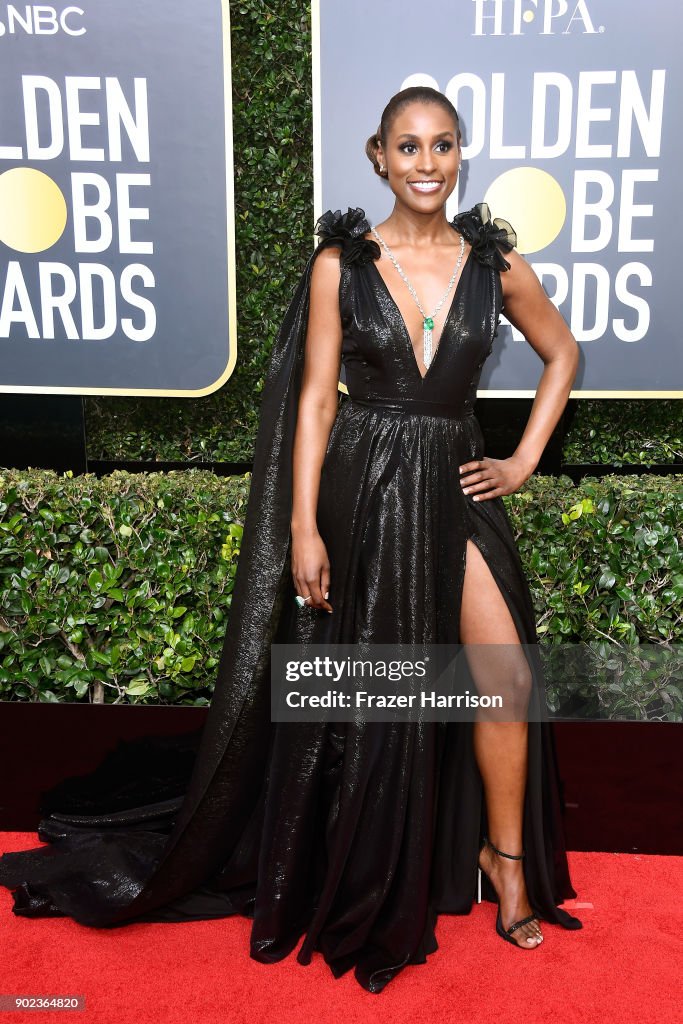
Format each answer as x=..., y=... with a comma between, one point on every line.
x=354, y=836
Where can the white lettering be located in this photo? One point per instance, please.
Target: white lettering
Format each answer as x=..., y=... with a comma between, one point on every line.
x=580, y=14
x=42, y=20
x=582, y=271
x=474, y=113
x=599, y=209
x=499, y=151
x=145, y=332
x=15, y=287
x=644, y=274
x=128, y=213
x=78, y=119
x=14, y=19
x=66, y=13
x=480, y=17
x=45, y=21
x=586, y=115
x=32, y=85
x=88, y=273
x=97, y=211
x=544, y=80
x=628, y=209
x=136, y=124
x=632, y=106
x=51, y=303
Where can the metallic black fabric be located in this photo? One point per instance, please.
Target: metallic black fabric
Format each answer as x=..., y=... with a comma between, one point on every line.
x=354, y=836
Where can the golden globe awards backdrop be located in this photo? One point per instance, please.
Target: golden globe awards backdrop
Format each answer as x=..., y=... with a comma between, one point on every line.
x=116, y=208
x=571, y=113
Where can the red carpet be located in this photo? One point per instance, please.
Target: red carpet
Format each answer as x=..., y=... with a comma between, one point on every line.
x=623, y=966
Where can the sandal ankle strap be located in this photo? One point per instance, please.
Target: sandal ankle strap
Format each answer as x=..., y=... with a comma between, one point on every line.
x=510, y=856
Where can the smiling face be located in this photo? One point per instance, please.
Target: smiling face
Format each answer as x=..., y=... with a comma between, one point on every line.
x=422, y=156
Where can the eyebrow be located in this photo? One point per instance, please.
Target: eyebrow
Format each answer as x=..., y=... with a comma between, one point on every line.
x=409, y=135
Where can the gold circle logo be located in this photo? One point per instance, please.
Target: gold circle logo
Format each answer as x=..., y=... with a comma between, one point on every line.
x=534, y=203
x=32, y=210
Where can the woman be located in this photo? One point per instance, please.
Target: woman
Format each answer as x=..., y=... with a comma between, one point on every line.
x=384, y=520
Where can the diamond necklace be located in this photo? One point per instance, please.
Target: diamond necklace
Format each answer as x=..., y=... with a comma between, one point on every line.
x=427, y=321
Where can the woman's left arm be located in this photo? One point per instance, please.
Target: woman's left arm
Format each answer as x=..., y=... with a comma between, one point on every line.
x=528, y=307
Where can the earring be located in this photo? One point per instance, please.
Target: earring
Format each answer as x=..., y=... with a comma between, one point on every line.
x=381, y=168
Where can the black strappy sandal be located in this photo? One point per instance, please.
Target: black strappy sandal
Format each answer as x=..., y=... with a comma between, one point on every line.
x=505, y=933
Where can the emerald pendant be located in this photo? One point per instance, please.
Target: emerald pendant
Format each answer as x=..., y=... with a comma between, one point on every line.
x=427, y=325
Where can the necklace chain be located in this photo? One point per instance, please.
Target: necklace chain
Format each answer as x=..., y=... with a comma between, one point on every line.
x=427, y=321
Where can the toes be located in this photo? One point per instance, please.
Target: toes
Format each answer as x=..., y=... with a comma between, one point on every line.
x=532, y=936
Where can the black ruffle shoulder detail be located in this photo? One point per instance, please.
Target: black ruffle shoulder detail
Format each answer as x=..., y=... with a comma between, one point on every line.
x=348, y=230
x=486, y=236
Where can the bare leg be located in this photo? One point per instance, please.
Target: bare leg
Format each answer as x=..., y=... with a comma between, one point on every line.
x=501, y=748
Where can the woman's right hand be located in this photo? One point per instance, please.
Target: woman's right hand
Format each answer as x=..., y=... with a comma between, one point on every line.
x=311, y=568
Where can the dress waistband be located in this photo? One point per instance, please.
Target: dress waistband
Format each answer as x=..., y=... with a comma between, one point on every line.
x=417, y=406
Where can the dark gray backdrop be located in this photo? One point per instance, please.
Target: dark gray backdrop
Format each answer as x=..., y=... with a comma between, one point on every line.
x=178, y=49
x=368, y=51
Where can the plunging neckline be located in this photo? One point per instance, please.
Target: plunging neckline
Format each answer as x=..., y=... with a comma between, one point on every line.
x=404, y=326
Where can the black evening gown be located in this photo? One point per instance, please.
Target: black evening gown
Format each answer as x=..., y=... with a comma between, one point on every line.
x=353, y=835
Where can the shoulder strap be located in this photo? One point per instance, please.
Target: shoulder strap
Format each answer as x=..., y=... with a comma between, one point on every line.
x=347, y=231
x=487, y=237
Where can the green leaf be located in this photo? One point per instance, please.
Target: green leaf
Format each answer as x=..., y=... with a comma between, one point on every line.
x=139, y=687
x=95, y=580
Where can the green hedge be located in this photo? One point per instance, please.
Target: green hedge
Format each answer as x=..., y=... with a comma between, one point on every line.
x=116, y=589
x=602, y=432
x=624, y=432
x=272, y=129
x=605, y=566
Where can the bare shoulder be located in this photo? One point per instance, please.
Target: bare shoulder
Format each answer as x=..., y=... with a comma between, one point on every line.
x=327, y=270
x=330, y=254
x=325, y=282
x=521, y=278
